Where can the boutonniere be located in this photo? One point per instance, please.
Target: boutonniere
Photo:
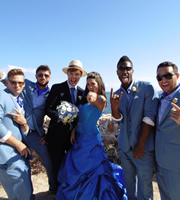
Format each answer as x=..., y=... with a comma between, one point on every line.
x=79, y=98
x=175, y=100
x=133, y=89
x=46, y=95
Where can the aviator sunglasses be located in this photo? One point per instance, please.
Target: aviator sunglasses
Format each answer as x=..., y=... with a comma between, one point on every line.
x=15, y=82
x=41, y=75
x=167, y=76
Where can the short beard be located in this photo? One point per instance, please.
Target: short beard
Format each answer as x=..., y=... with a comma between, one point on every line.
x=43, y=85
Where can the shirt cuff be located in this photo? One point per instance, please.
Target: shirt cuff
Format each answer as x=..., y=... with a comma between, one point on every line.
x=7, y=136
x=117, y=120
x=147, y=120
x=26, y=132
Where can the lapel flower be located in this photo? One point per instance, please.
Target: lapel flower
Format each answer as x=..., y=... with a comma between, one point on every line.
x=79, y=98
x=175, y=100
x=133, y=89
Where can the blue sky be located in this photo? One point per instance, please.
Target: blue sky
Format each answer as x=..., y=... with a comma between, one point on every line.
x=97, y=32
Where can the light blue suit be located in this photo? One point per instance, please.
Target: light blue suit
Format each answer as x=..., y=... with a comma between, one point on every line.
x=142, y=103
x=37, y=114
x=2, y=85
x=167, y=155
x=14, y=169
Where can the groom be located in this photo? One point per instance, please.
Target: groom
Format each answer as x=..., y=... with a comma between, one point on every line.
x=58, y=136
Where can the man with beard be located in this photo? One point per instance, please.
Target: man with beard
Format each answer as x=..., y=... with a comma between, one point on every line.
x=34, y=98
x=135, y=106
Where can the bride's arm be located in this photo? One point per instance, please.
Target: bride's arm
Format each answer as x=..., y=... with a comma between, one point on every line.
x=98, y=101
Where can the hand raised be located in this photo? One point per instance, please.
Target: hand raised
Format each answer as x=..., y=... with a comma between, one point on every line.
x=175, y=113
x=18, y=117
x=115, y=99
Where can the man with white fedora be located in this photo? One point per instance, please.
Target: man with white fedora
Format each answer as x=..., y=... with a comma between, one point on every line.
x=58, y=136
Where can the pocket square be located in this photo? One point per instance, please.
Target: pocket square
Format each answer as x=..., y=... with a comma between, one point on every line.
x=136, y=97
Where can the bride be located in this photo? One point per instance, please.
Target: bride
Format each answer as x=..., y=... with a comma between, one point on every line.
x=86, y=173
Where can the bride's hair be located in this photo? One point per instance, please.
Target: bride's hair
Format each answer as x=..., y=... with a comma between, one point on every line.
x=98, y=79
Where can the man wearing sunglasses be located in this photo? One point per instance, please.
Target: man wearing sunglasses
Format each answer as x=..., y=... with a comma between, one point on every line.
x=34, y=98
x=14, y=166
x=135, y=105
x=167, y=146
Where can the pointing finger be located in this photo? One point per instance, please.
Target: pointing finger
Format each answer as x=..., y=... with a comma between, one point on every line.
x=175, y=106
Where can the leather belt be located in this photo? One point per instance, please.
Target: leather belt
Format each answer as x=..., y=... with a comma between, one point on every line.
x=30, y=131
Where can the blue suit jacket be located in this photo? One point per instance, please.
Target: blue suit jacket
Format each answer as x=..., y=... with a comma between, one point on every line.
x=37, y=113
x=9, y=154
x=168, y=140
x=142, y=103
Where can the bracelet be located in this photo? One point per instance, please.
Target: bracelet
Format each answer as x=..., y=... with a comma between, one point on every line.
x=23, y=125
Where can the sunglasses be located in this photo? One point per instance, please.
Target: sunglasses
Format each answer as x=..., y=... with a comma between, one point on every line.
x=167, y=76
x=125, y=68
x=41, y=75
x=16, y=82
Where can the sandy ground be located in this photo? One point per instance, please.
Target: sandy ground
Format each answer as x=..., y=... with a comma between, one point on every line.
x=41, y=188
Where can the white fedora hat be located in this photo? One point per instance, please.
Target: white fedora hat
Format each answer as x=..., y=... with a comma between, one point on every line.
x=75, y=64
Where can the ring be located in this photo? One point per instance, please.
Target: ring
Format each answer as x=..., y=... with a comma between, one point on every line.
x=14, y=117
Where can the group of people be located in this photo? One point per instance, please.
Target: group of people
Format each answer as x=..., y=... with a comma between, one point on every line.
x=73, y=153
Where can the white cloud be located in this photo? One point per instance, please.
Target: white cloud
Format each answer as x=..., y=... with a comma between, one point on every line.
x=25, y=70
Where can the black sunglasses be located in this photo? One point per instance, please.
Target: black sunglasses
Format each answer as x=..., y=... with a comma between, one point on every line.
x=125, y=68
x=41, y=75
x=167, y=76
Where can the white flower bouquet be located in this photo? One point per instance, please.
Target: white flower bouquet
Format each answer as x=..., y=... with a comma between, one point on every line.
x=67, y=112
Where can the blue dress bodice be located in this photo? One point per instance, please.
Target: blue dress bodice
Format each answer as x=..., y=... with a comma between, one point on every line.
x=88, y=117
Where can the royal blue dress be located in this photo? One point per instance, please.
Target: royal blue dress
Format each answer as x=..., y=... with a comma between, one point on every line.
x=86, y=173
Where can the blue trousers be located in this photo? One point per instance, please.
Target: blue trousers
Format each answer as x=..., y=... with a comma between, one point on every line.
x=42, y=150
x=138, y=175
x=169, y=183
x=16, y=180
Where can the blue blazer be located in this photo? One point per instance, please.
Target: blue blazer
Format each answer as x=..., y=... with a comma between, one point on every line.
x=9, y=154
x=37, y=113
x=142, y=103
x=168, y=140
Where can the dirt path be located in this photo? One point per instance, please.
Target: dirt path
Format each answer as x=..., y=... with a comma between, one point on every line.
x=41, y=188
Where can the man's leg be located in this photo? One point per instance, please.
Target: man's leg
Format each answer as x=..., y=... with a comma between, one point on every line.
x=129, y=173
x=145, y=167
x=35, y=143
x=15, y=178
x=168, y=182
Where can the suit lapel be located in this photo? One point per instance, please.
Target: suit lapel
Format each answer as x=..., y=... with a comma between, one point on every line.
x=132, y=95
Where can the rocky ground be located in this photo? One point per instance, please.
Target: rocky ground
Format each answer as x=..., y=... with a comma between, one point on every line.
x=109, y=132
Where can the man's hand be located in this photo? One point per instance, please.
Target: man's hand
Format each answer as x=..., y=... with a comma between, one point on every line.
x=23, y=149
x=18, y=117
x=138, y=151
x=115, y=100
x=175, y=114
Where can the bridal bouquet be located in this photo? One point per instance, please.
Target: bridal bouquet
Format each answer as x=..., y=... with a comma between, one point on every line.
x=67, y=112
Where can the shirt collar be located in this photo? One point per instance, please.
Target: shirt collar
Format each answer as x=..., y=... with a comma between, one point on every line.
x=129, y=88
x=69, y=85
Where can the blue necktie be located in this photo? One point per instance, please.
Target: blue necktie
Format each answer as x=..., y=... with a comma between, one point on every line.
x=20, y=102
x=72, y=95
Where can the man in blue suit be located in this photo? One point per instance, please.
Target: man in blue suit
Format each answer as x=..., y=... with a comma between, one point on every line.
x=14, y=165
x=167, y=146
x=34, y=97
x=134, y=105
